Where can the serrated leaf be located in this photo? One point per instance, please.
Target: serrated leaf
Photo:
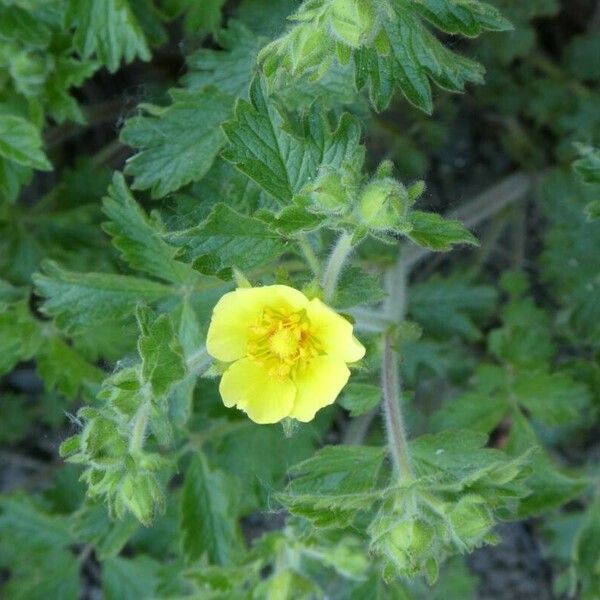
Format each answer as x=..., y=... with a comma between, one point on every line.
x=360, y=398
x=51, y=573
x=207, y=518
x=21, y=143
x=571, y=252
x=448, y=306
x=138, y=238
x=107, y=30
x=130, y=578
x=176, y=144
x=78, y=301
x=332, y=486
x=554, y=399
x=386, y=42
x=432, y=231
x=475, y=410
x=356, y=287
x=163, y=363
x=281, y=162
x=230, y=69
x=588, y=167
x=92, y=524
x=228, y=239
x=20, y=335
x=32, y=527
x=467, y=17
x=81, y=375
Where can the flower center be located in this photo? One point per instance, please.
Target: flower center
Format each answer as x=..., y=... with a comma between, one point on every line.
x=282, y=341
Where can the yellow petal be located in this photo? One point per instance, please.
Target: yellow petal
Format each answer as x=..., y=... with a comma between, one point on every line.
x=318, y=385
x=266, y=399
x=333, y=332
x=236, y=311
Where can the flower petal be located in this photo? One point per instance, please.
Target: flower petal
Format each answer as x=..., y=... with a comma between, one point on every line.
x=265, y=399
x=334, y=332
x=318, y=385
x=236, y=311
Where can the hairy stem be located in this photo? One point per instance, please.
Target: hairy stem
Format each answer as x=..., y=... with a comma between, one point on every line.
x=139, y=426
x=396, y=431
x=310, y=256
x=395, y=309
x=335, y=264
x=198, y=362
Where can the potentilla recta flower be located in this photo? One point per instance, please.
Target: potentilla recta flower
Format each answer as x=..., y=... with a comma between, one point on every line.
x=288, y=354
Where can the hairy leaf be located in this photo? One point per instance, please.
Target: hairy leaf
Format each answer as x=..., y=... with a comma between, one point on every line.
x=176, y=144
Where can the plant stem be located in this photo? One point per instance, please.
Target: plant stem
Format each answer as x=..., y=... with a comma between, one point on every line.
x=198, y=362
x=140, y=423
x=335, y=264
x=309, y=254
x=395, y=309
x=396, y=431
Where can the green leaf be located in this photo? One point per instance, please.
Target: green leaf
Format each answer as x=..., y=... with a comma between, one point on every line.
x=201, y=16
x=449, y=306
x=20, y=335
x=334, y=484
x=30, y=526
x=360, y=398
x=281, y=162
x=466, y=17
x=572, y=278
x=475, y=410
x=432, y=231
x=78, y=301
x=207, y=523
x=228, y=239
x=21, y=143
x=107, y=30
x=554, y=399
x=176, y=144
x=92, y=524
x=163, y=363
x=130, y=578
x=386, y=42
x=138, y=237
x=230, y=69
x=588, y=167
x=356, y=287
x=40, y=575
x=81, y=376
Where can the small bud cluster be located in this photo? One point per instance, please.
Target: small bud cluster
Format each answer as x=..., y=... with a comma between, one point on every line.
x=419, y=531
x=326, y=28
x=126, y=475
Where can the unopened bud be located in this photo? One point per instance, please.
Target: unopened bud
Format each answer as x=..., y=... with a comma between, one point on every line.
x=384, y=206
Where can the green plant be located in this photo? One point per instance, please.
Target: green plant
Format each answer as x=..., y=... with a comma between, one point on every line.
x=271, y=161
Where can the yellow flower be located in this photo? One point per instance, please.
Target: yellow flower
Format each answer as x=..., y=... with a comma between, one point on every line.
x=288, y=353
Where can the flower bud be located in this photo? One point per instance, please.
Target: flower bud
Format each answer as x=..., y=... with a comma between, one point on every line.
x=384, y=206
x=328, y=193
x=139, y=493
x=471, y=520
x=353, y=21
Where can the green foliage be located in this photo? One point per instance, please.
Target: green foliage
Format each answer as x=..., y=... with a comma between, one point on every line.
x=191, y=124
x=108, y=30
x=387, y=44
x=254, y=156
